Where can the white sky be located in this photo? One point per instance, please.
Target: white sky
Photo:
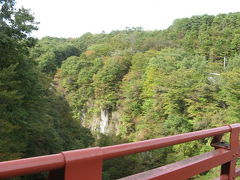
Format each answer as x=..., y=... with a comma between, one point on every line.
x=72, y=18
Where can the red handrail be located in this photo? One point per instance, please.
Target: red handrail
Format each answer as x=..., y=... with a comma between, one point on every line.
x=87, y=163
x=142, y=146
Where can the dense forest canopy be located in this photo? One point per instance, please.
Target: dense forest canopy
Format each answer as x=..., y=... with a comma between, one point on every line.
x=100, y=89
x=34, y=119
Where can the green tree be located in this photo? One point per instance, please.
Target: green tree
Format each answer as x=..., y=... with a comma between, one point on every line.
x=31, y=120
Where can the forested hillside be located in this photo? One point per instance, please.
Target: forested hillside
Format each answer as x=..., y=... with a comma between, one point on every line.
x=153, y=83
x=101, y=89
x=135, y=84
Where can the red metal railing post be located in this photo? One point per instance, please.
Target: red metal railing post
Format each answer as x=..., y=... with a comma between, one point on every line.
x=229, y=169
x=83, y=164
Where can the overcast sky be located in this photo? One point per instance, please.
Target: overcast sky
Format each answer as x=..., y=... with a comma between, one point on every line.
x=72, y=18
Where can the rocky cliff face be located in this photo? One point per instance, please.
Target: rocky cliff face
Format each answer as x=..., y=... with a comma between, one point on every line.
x=100, y=120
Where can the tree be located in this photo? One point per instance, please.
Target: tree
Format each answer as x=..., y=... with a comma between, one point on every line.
x=34, y=120
x=15, y=27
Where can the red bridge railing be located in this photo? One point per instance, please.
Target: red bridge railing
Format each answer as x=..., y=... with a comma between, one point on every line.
x=86, y=164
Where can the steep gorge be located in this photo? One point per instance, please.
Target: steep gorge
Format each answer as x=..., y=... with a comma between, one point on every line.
x=132, y=85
